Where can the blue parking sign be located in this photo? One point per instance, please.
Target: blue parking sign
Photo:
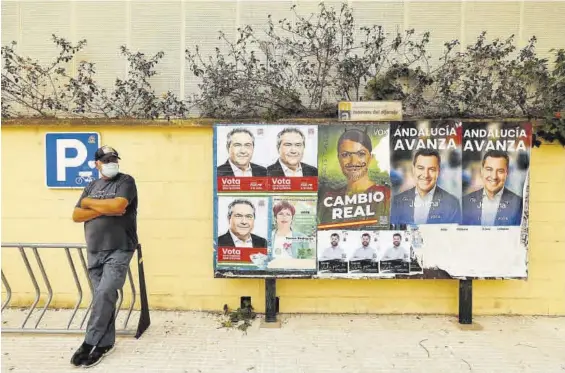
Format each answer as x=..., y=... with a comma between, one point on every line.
x=70, y=159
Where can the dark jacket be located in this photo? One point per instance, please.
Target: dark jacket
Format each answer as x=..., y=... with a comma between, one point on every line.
x=225, y=170
x=225, y=240
x=276, y=169
x=509, y=209
x=445, y=208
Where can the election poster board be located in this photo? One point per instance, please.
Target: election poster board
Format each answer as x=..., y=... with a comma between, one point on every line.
x=420, y=199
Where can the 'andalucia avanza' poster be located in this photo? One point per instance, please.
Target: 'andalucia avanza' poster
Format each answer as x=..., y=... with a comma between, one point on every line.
x=426, y=169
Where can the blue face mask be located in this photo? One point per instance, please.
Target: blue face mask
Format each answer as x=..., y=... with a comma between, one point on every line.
x=110, y=169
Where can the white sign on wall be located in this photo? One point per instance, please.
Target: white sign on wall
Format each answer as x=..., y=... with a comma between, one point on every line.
x=355, y=111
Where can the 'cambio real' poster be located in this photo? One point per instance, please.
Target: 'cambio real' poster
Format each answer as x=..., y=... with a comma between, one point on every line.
x=353, y=178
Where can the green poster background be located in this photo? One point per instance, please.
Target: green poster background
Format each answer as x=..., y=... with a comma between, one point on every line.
x=303, y=224
x=332, y=181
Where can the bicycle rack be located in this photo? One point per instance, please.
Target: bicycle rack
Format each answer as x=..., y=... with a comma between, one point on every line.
x=144, y=319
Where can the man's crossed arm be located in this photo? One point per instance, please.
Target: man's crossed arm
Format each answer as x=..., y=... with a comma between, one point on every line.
x=91, y=208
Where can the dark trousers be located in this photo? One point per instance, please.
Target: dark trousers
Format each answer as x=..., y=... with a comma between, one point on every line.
x=107, y=271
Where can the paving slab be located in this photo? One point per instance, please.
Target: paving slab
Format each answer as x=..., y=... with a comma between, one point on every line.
x=194, y=342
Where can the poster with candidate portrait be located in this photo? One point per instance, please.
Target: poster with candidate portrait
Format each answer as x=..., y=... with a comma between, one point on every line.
x=353, y=177
x=265, y=235
x=425, y=172
x=333, y=246
x=394, y=252
x=292, y=158
x=492, y=239
x=241, y=232
x=240, y=165
x=292, y=240
x=363, y=252
x=496, y=159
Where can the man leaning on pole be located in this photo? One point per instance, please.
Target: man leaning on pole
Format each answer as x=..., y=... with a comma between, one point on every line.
x=108, y=208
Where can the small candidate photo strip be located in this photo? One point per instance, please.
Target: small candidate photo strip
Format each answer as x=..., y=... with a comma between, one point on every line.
x=292, y=242
x=333, y=246
x=414, y=237
x=394, y=252
x=242, y=229
x=292, y=157
x=425, y=172
x=240, y=163
x=363, y=251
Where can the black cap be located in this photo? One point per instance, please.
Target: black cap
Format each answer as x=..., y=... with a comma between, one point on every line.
x=105, y=152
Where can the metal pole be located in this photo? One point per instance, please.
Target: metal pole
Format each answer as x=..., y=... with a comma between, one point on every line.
x=85, y=269
x=77, y=283
x=144, y=317
x=465, y=301
x=120, y=300
x=270, y=300
x=35, y=285
x=47, y=284
x=130, y=310
x=8, y=291
x=59, y=331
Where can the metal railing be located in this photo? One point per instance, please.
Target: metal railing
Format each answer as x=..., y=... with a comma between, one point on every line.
x=144, y=319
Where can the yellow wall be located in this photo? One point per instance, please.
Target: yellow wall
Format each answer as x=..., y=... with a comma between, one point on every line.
x=173, y=169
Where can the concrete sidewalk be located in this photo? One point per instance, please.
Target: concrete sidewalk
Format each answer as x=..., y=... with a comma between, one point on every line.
x=192, y=342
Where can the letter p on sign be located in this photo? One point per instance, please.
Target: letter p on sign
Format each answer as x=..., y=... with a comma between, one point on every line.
x=63, y=162
x=70, y=159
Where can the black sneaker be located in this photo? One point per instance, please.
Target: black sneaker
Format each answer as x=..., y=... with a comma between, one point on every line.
x=96, y=355
x=81, y=354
